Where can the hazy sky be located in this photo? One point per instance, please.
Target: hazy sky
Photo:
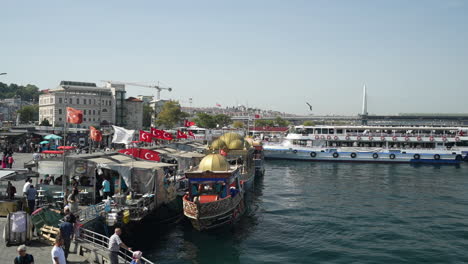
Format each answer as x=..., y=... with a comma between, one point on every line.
x=412, y=55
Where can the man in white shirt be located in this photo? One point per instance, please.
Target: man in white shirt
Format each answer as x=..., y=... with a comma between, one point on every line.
x=58, y=255
x=114, y=246
x=26, y=186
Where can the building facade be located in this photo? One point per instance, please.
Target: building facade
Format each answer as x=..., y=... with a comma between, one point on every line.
x=134, y=113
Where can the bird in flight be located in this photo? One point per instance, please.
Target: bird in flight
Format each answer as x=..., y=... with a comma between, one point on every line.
x=310, y=106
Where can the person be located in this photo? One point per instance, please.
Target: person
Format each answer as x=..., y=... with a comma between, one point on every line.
x=66, y=233
x=77, y=227
x=10, y=161
x=136, y=258
x=114, y=246
x=11, y=190
x=26, y=186
x=31, y=197
x=23, y=257
x=73, y=200
x=67, y=211
x=4, y=161
x=106, y=188
x=58, y=255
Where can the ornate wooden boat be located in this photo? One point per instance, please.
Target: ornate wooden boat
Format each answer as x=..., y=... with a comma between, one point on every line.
x=216, y=195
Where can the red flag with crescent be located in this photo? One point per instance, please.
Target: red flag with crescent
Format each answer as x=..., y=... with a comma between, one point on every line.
x=190, y=133
x=167, y=136
x=131, y=152
x=156, y=133
x=145, y=136
x=148, y=154
x=74, y=116
x=188, y=123
x=95, y=134
x=180, y=134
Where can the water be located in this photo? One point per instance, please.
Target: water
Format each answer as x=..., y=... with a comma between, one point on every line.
x=334, y=213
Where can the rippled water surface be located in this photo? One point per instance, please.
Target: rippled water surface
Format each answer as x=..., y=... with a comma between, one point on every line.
x=334, y=213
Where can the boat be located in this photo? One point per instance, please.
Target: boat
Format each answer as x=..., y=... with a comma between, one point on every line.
x=216, y=194
x=403, y=144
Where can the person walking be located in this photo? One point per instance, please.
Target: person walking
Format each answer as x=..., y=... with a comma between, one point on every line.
x=58, y=255
x=66, y=233
x=106, y=188
x=10, y=161
x=23, y=257
x=31, y=197
x=115, y=243
x=73, y=200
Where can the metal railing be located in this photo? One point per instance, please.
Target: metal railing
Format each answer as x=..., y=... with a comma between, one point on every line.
x=91, y=212
x=102, y=242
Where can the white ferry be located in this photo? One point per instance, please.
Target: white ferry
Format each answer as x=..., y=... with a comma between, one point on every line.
x=372, y=144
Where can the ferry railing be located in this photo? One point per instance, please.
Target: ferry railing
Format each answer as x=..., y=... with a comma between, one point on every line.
x=91, y=212
x=101, y=241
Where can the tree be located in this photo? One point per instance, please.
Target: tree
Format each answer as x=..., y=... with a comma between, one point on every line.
x=238, y=124
x=308, y=123
x=45, y=122
x=264, y=123
x=148, y=112
x=29, y=113
x=170, y=115
x=222, y=120
x=281, y=122
x=26, y=93
x=205, y=120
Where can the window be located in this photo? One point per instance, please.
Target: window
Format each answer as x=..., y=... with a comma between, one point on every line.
x=60, y=100
x=60, y=111
x=77, y=100
x=84, y=112
x=60, y=119
x=84, y=101
x=84, y=119
x=52, y=100
x=94, y=101
x=94, y=112
x=104, y=110
x=89, y=101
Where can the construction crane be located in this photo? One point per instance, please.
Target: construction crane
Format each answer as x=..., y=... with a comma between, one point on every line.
x=157, y=87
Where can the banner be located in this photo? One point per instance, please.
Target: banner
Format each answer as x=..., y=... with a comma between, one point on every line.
x=122, y=135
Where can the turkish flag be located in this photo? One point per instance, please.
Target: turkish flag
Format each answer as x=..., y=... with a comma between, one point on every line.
x=167, y=136
x=95, y=134
x=188, y=123
x=222, y=152
x=145, y=136
x=180, y=134
x=257, y=116
x=131, y=151
x=190, y=133
x=147, y=154
x=156, y=133
x=74, y=116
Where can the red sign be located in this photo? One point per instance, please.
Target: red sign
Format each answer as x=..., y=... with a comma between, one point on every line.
x=145, y=136
x=74, y=116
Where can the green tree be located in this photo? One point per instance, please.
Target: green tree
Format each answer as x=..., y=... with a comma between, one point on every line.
x=29, y=113
x=264, y=123
x=222, y=120
x=148, y=112
x=26, y=93
x=308, y=123
x=45, y=122
x=170, y=115
x=205, y=120
x=281, y=122
x=238, y=124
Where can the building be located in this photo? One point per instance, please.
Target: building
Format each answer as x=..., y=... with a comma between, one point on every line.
x=97, y=104
x=146, y=98
x=133, y=113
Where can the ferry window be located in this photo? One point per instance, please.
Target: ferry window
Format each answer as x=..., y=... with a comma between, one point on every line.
x=331, y=131
x=317, y=131
x=309, y=131
x=325, y=131
x=339, y=131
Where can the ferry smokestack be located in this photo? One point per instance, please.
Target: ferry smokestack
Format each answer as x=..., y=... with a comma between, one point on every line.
x=364, y=101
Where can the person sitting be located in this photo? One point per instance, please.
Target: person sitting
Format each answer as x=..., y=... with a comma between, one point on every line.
x=136, y=258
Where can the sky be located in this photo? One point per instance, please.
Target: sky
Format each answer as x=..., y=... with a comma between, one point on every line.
x=271, y=54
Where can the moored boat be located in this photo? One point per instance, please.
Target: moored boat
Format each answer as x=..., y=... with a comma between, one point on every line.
x=216, y=195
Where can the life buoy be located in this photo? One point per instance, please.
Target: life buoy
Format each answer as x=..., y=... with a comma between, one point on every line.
x=336, y=155
x=392, y=156
x=313, y=154
x=317, y=137
x=347, y=137
x=457, y=139
x=371, y=138
x=394, y=138
x=375, y=156
x=353, y=155
x=335, y=138
x=416, y=156
x=406, y=138
x=444, y=138
x=419, y=138
x=431, y=138
x=358, y=138
x=437, y=157
x=328, y=137
x=382, y=138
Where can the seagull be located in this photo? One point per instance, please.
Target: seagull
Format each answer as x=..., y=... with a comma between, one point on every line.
x=310, y=106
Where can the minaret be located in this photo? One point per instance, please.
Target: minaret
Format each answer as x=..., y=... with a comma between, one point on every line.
x=364, y=101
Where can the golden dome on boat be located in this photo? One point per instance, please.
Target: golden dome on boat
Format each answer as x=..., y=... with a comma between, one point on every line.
x=218, y=144
x=213, y=162
x=236, y=144
x=228, y=137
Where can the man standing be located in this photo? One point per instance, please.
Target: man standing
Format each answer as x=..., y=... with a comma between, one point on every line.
x=58, y=256
x=22, y=257
x=31, y=196
x=114, y=246
x=66, y=232
x=26, y=185
x=106, y=188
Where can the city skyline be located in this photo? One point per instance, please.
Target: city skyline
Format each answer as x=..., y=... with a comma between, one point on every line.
x=268, y=54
